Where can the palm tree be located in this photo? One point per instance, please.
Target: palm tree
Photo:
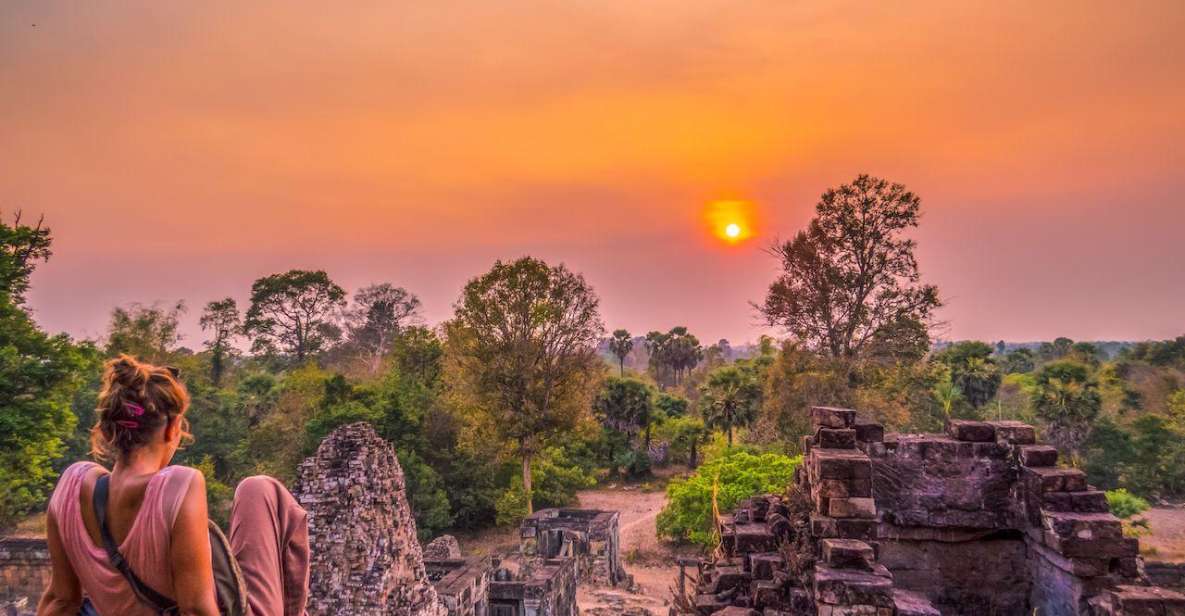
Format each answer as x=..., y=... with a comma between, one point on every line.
x=730, y=397
x=620, y=345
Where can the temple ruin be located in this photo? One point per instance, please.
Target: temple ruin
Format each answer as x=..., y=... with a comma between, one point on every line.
x=977, y=521
x=365, y=558
x=587, y=535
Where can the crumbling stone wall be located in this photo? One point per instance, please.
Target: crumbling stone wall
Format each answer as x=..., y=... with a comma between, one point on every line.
x=547, y=587
x=979, y=520
x=365, y=557
x=24, y=574
x=461, y=583
x=587, y=535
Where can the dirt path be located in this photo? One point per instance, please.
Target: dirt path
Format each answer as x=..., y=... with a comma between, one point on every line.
x=650, y=561
x=1166, y=539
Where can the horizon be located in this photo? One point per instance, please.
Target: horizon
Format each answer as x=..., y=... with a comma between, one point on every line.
x=181, y=153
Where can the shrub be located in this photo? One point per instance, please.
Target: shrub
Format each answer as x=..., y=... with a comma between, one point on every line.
x=1124, y=504
x=737, y=475
x=555, y=480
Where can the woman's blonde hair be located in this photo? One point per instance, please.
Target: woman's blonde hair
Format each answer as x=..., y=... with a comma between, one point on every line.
x=135, y=401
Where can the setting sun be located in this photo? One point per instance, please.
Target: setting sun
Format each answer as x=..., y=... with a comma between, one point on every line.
x=731, y=220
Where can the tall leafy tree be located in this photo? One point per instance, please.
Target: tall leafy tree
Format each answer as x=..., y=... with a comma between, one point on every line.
x=626, y=405
x=1059, y=348
x=150, y=333
x=620, y=345
x=523, y=344
x=684, y=352
x=973, y=370
x=658, y=347
x=223, y=321
x=1066, y=396
x=1019, y=361
x=38, y=376
x=294, y=313
x=851, y=273
x=380, y=312
x=730, y=398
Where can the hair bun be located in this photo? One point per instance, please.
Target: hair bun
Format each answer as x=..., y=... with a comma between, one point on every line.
x=128, y=372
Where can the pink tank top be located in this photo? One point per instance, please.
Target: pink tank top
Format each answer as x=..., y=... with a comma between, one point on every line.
x=146, y=547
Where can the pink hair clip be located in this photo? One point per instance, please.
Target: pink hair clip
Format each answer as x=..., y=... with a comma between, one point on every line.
x=127, y=423
x=135, y=409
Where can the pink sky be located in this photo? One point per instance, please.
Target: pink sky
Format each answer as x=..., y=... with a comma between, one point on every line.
x=181, y=151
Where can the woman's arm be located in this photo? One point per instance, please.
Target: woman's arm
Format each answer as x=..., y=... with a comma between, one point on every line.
x=63, y=597
x=193, y=575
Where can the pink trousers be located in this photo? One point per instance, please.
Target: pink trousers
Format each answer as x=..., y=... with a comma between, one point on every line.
x=269, y=533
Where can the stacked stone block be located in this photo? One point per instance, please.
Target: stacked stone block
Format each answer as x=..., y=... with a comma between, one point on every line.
x=365, y=558
x=847, y=578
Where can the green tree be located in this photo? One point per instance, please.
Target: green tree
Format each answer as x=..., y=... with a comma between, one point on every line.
x=626, y=405
x=731, y=397
x=150, y=333
x=1059, y=348
x=947, y=393
x=293, y=313
x=379, y=314
x=671, y=405
x=686, y=436
x=222, y=319
x=851, y=273
x=1066, y=397
x=797, y=380
x=38, y=378
x=523, y=343
x=1020, y=361
x=973, y=370
x=620, y=345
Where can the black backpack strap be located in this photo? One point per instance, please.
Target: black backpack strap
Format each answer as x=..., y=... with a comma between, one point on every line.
x=143, y=591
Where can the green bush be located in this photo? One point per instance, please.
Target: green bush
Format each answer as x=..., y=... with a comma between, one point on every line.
x=737, y=475
x=1124, y=504
x=555, y=481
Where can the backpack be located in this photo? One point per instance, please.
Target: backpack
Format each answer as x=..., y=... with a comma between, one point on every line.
x=230, y=588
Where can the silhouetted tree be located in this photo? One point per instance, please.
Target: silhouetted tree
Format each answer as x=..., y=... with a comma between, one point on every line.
x=222, y=317
x=620, y=345
x=293, y=312
x=731, y=397
x=150, y=333
x=379, y=314
x=851, y=274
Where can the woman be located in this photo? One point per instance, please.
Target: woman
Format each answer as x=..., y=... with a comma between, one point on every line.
x=157, y=514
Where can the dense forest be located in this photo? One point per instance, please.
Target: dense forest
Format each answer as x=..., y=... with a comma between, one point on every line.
x=524, y=397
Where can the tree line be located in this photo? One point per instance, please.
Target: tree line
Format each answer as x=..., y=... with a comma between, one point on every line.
x=521, y=398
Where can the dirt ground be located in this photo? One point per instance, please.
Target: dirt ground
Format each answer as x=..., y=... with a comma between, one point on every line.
x=651, y=562
x=1166, y=538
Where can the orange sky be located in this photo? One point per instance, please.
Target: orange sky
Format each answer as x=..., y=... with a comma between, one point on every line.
x=183, y=151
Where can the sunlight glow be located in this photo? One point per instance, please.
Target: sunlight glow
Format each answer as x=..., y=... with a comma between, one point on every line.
x=731, y=220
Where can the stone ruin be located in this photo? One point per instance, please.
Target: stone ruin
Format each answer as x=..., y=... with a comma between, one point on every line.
x=444, y=547
x=545, y=587
x=463, y=584
x=587, y=535
x=977, y=521
x=365, y=558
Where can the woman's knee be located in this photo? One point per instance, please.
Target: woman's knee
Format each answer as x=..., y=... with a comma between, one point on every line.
x=261, y=487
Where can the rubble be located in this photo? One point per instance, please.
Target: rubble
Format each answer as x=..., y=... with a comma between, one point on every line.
x=978, y=520
x=365, y=558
